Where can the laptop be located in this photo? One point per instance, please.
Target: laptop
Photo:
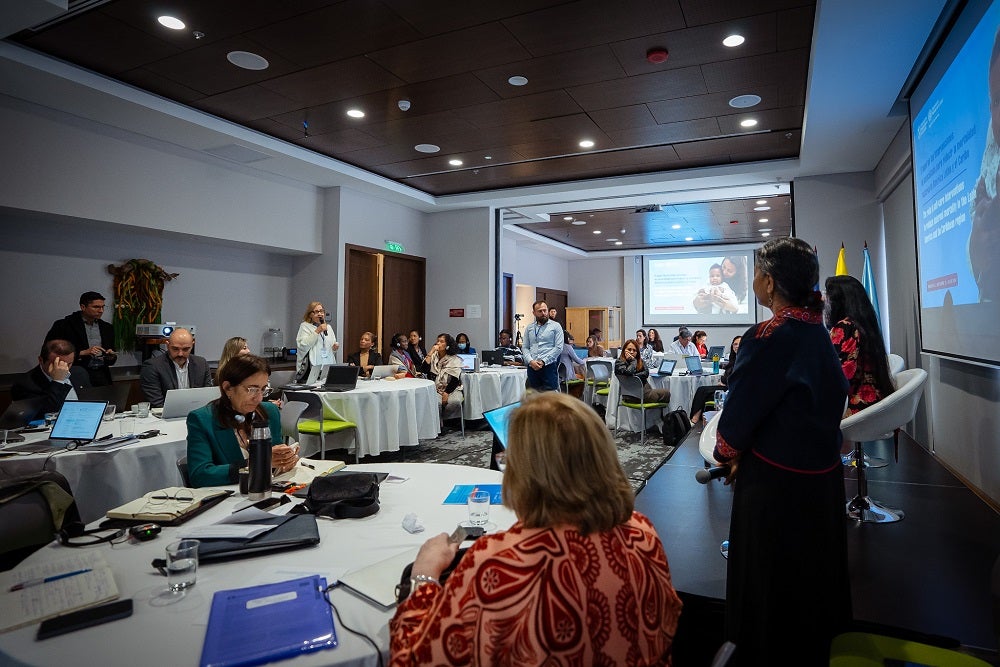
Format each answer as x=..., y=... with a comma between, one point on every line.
x=581, y=352
x=666, y=367
x=491, y=357
x=179, y=402
x=280, y=379
x=18, y=415
x=116, y=394
x=694, y=366
x=498, y=420
x=470, y=363
x=377, y=582
x=716, y=351
x=340, y=377
x=77, y=421
x=383, y=371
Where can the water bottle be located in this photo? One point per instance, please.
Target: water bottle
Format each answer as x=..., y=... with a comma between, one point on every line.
x=260, y=458
x=715, y=364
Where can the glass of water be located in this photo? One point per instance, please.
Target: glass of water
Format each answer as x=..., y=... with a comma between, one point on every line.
x=479, y=508
x=182, y=565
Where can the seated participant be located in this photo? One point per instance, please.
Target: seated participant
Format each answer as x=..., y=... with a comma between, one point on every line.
x=511, y=353
x=366, y=357
x=177, y=369
x=630, y=363
x=700, y=341
x=645, y=350
x=683, y=344
x=594, y=348
x=233, y=347
x=315, y=345
x=569, y=360
x=55, y=378
x=653, y=339
x=706, y=393
x=92, y=337
x=463, y=345
x=217, y=440
x=577, y=548
x=399, y=356
x=445, y=368
x=416, y=348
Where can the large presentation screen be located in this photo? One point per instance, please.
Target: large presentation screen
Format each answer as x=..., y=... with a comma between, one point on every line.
x=955, y=117
x=698, y=288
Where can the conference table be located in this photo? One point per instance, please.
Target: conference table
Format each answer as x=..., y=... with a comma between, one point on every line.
x=102, y=480
x=492, y=388
x=682, y=389
x=388, y=413
x=173, y=634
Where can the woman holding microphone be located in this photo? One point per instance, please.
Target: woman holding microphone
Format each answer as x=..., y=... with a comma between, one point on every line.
x=316, y=345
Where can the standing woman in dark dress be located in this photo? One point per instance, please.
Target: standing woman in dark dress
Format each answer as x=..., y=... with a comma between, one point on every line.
x=788, y=591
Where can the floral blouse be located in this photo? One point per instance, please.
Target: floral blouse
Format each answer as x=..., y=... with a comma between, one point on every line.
x=846, y=338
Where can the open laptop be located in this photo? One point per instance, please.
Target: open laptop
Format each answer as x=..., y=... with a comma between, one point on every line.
x=383, y=371
x=581, y=352
x=19, y=414
x=470, y=363
x=377, y=582
x=694, y=366
x=498, y=420
x=340, y=377
x=491, y=357
x=716, y=350
x=179, y=402
x=116, y=394
x=77, y=421
x=666, y=367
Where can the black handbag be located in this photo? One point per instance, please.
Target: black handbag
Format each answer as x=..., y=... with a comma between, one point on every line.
x=676, y=425
x=343, y=495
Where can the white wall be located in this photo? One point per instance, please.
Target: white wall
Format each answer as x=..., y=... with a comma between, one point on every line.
x=541, y=270
x=596, y=282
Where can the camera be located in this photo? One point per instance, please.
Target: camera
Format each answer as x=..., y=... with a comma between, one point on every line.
x=518, y=317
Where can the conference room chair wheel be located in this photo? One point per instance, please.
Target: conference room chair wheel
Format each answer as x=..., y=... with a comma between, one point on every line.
x=724, y=549
x=866, y=510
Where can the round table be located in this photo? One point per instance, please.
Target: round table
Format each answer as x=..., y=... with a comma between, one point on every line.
x=492, y=388
x=682, y=388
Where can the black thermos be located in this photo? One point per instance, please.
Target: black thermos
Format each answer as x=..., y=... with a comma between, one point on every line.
x=260, y=458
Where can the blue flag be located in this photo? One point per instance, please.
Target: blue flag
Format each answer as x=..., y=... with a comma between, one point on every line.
x=868, y=282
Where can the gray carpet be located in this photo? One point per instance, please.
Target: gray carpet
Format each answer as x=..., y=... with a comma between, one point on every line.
x=639, y=462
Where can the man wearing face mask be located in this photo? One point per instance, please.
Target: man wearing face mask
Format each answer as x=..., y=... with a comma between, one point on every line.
x=543, y=344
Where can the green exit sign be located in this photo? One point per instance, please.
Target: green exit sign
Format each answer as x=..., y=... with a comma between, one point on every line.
x=392, y=246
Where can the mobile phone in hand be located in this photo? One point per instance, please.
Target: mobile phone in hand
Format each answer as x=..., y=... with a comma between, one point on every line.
x=463, y=533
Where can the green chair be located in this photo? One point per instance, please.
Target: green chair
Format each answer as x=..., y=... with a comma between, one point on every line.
x=313, y=420
x=632, y=386
x=565, y=382
x=863, y=649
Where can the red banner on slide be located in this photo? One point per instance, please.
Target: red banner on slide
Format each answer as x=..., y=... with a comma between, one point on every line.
x=943, y=282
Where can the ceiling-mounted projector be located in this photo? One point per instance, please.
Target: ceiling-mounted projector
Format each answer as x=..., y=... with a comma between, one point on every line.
x=161, y=330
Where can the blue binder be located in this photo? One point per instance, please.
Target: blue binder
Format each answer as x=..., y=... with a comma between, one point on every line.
x=260, y=624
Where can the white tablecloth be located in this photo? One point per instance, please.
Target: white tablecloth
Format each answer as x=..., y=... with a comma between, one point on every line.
x=682, y=388
x=389, y=414
x=103, y=480
x=492, y=388
x=173, y=634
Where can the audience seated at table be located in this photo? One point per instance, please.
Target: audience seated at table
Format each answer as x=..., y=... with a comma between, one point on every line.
x=463, y=344
x=177, y=369
x=629, y=363
x=416, y=348
x=569, y=360
x=233, y=347
x=217, y=439
x=594, y=348
x=704, y=394
x=315, y=345
x=511, y=353
x=653, y=340
x=444, y=367
x=580, y=578
x=700, y=341
x=683, y=344
x=399, y=356
x=54, y=379
x=857, y=337
x=367, y=357
x=645, y=350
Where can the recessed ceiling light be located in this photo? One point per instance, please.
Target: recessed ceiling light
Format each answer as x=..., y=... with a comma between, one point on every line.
x=764, y=220
x=675, y=226
x=612, y=240
x=487, y=157
x=455, y=162
x=689, y=238
x=744, y=101
x=586, y=143
x=567, y=218
x=597, y=231
x=426, y=148
x=749, y=122
x=618, y=242
x=762, y=208
x=518, y=81
x=355, y=113
x=247, y=60
x=765, y=233
x=171, y=22
x=761, y=202
x=579, y=222
x=733, y=40
x=765, y=229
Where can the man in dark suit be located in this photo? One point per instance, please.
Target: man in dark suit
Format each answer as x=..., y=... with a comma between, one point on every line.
x=92, y=337
x=177, y=369
x=54, y=379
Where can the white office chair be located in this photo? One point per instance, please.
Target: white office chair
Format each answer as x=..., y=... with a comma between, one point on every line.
x=896, y=364
x=291, y=412
x=877, y=422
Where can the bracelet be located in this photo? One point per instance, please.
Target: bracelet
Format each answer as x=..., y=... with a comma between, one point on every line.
x=419, y=579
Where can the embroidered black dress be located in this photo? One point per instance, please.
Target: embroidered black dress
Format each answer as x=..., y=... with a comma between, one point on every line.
x=788, y=590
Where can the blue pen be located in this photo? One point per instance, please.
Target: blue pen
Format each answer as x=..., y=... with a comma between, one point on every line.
x=54, y=577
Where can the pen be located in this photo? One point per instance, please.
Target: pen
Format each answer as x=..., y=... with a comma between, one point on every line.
x=45, y=580
x=310, y=466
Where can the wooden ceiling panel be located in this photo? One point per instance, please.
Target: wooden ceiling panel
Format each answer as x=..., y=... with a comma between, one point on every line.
x=577, y=25
x=746, y=144
x=667, y=133
x=488, y=45
x=160, y=85
x=788, y=118
x=337, y=81
x=641, y=89
x=562, y=70
x=439, y=163
x=795, y=28
x=344, y=141
x=767, y=70
x=248, y=102
x=424, y=129
x=709, y=106
x=623, y=118
x=700, y=12
x=434, y=17
x=520, y=109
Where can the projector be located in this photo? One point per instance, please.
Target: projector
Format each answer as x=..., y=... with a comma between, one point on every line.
x=160, y=330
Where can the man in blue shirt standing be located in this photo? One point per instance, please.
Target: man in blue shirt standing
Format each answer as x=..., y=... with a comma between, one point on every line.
x=543, y=343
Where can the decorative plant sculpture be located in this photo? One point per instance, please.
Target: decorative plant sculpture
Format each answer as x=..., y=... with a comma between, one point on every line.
x=138, y=288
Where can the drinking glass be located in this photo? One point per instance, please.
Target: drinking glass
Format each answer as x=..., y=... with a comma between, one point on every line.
x=479, y=508
x=109, y=413
x=182, y=565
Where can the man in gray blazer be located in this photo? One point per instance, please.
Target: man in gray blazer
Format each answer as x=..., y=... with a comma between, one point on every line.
x=177, y=369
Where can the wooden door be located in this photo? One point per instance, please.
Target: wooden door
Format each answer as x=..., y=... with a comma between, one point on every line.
x=361, y=298
x=507, y=316
x=578, y=324
x=403, y=300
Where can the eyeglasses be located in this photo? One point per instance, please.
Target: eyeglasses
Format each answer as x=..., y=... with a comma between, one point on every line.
x=162, y=498
x=317, y=310
x=254, y=390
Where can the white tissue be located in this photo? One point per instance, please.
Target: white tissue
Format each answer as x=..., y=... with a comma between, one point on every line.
x=412, y=523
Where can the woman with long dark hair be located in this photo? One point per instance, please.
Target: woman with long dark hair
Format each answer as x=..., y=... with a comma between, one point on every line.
x=858, y=340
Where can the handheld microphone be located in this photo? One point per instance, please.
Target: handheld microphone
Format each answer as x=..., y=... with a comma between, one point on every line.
x=326, y=316
x=705, y=476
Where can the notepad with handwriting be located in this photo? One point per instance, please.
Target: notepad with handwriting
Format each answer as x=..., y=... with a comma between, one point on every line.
x=54, y=598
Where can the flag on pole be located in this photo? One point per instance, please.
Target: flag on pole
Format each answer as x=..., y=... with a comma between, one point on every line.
x=841, y=262
x=868, y=282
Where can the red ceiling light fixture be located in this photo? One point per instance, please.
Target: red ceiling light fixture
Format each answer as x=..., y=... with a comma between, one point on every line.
x=657, y=55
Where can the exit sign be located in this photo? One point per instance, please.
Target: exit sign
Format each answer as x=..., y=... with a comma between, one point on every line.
x=393, y=246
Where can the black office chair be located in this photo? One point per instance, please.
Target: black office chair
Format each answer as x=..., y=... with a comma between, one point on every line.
x=29, y=507
x=182, y=469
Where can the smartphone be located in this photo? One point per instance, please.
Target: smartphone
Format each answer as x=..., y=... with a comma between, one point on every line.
x=85, y=618
x=151, y=433
x=463, y=533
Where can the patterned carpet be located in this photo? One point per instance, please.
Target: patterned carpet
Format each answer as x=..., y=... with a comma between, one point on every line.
x=639, y=462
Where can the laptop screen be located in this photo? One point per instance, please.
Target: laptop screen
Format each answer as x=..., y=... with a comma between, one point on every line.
x=78, y=420
x=667, y=366
x=581, y=352
x=693, y=364
x=498, y=419
x=468, y=362
x=716, y=350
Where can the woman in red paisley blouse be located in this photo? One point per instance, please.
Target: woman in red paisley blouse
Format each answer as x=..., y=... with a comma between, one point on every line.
x=580, y=578
x=858, y=340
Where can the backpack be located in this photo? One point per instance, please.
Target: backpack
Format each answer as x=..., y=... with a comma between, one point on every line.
x=676, y=425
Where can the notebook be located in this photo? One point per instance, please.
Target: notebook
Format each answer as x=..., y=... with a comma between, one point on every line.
x=470, y=363
x=166, y=506
x=666, y=367
x=340, y=377
x=179, y=402
x=77, y=421
x=377, y=582
x=293, y=531
x=694, y=365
